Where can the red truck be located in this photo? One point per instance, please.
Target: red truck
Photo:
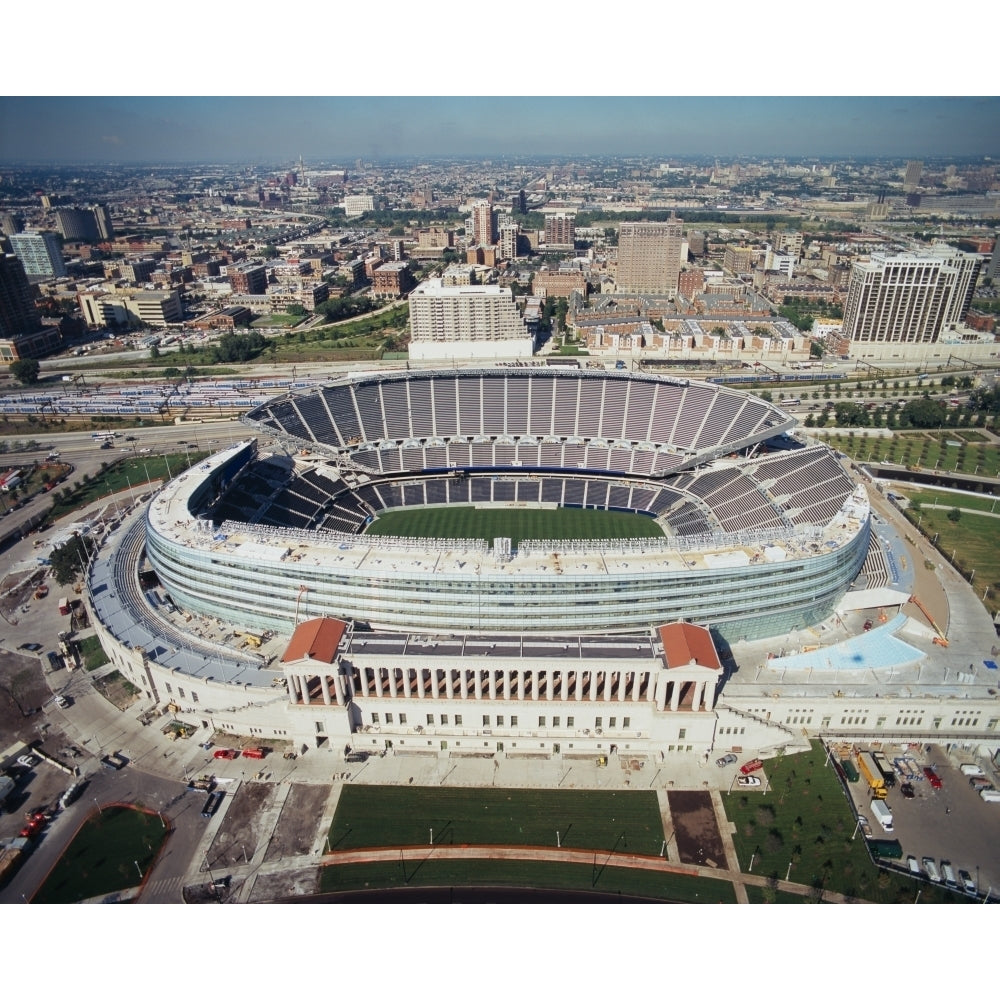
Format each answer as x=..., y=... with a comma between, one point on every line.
x=255, y=753
x=752, y=765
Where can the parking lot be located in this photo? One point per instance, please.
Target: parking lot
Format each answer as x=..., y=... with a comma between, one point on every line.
x=951, y=823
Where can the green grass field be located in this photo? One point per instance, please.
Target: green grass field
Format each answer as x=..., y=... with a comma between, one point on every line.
x=805, y=820
x=102, y=857
x=536, y=874
x=513, y=523
x=391, y=816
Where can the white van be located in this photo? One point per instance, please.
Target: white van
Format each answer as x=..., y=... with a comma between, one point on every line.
x=972, y=771
x=930, y=866
x=913, y=864
x=989, y=795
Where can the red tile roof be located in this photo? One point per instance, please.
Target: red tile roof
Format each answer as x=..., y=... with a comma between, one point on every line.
x=316, y=639
x=684, y=643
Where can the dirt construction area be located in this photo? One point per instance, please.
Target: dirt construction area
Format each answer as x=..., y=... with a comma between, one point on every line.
x=299, y=822
x=696, y=830
x=247, y=818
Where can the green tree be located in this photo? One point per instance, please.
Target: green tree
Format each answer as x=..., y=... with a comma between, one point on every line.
x=68, y=559
x=26, y=370
x=954, y=515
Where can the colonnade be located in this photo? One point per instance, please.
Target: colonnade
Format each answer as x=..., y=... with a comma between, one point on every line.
x=501, y=684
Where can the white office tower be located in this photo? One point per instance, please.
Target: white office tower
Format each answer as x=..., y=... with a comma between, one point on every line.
x=466, y=322
x=909, y=298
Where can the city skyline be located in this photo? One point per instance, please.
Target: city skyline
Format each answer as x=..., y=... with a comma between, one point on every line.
x=275, y=129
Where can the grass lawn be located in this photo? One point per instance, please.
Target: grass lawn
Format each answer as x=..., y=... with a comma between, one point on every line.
x=92, y=653
x=945, y=498
x=926, y=449
x=975, y=541
x=806, y=820
x=516, y=524
x=534, y=874
x=391, y=816
x=132, y=472
x=102, y=857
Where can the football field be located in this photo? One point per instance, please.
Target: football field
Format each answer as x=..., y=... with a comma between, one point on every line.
x=515, y=523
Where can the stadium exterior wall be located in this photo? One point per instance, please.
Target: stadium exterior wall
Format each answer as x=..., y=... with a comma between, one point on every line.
x=471, y=350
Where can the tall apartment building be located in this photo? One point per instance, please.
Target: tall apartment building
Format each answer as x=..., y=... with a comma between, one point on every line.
x=11, y=224
x=358, y=204
x=993, y=273
x=89, y=225
x=738, y=260
x=18, y=315
x=911, y=179
x=138, y=271
x=250, y=279
x=909, y=298
x=483, y=224
x=560, y=230
x=40, y=254
x=649, y=257
x=467, y=322
x=508, y=242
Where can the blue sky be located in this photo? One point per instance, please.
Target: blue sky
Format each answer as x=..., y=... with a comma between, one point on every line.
x=124, y=129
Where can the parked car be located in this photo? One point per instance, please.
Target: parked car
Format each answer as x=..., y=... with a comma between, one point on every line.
x=967, y=884
x=931, y=775
x=930, y=866
x=748, y=781
x=61, y=701
x=34, y=647
x=255, y=753
x=729, y=758
x=226, y=754
x=752, y=765
x=27, y=760
x=972, y=771
x=913, y=864
x=907, y=789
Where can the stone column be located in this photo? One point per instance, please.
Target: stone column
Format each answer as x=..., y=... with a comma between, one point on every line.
x=534, y=684
x=623, y=684
x=293, y=689
x=550, y=684
x=377, y=678
x=578, y=676
x=675, y=697
x=465, y=683
x=593, y=685
x=699, y=693
x=304, y=684
x=710, y=694
x=419, y=671
x=493, y=684
x=479, y=684
x=609, y=684
x=338, y=687
x=637, y=683
x=449, y=680
x=324, y=686
x=661, y=690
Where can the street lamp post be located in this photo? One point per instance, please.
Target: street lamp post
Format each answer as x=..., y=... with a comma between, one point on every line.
x=138, y=869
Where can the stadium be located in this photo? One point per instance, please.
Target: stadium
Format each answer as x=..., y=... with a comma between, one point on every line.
x=718, y=517
x=608, y=562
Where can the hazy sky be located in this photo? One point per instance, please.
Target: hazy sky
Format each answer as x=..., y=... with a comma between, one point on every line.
x=275, y=129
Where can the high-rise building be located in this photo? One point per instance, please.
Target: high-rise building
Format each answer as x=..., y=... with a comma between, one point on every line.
x=11, y=224
x=912, y=176
x=560, y=230
x=508, y=242
x=519, y=203
x=102, y=217
x=40, y=254
x=649, y=256
x=18, y=314
x=358, y=204
x=484, y=230
x=466, y=321
x=77, y=224
x=909, y=298
x=993, y=273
